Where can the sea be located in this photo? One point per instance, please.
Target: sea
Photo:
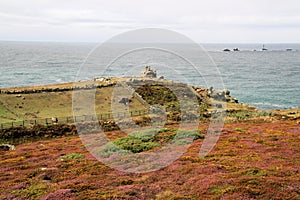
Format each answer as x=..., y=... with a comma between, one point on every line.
x=264, y=79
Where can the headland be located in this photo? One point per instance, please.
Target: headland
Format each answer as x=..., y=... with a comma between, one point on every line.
x=257, y=155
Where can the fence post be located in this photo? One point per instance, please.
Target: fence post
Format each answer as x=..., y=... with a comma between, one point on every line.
x=46, y=122
x=67, y=119
x=23, y=123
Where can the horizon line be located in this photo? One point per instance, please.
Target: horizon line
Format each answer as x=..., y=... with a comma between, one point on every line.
x=97, y=42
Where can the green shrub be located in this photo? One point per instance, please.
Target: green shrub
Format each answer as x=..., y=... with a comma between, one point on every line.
x=145, y=135
x=246, y=114
x=193, y=134
x=239, y=130
x=186, y=137
x=255, y=172
x=135, y=145
x=71, y=156
x=221, y=189
x=110, y=149
x=199, y=136
x=35, y=191
x=145, y=140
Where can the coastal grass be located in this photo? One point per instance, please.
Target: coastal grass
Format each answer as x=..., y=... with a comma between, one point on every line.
x=248, y=114
x=40, y=106
x=53, y=104
x=6, y=115
x=58, y=104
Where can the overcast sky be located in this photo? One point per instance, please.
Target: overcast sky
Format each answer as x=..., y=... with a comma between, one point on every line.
x=209, y=21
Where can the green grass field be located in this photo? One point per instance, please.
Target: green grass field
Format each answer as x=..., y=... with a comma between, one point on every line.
x=6, y=115
x=39, y=106
x=52, y=104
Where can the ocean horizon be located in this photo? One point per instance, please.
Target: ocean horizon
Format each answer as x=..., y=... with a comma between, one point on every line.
x=264, y=79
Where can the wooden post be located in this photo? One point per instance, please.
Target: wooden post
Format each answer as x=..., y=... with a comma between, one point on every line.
x=12, y=124
x=23, y=123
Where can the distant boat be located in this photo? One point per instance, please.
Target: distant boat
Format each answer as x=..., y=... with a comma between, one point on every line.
x=289, y=49
x=236, y=49
x=226, y=49
x=263, y=48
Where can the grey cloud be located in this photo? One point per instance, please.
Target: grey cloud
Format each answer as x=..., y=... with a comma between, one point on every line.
x=91, y=17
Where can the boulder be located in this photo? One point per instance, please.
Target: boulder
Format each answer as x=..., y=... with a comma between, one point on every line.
x=7, y=147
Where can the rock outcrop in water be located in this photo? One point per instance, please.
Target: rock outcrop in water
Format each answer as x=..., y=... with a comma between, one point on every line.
x=219, y=95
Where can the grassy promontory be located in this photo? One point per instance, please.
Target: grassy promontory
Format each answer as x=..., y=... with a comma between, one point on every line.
x=256, y=157
x=41, y=102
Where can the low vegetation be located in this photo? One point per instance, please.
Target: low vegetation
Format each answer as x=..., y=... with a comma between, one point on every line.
x=256, y=157
x=36, y=106
x=250, y=161
x=145, y=140
x=240, y=115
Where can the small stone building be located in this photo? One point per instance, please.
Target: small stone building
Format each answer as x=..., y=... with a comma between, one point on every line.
x=148, y=72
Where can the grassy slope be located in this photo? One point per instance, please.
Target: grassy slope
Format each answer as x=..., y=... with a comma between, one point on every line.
x=251, y=160
x=6, y=115
x=59, y=104
x=47, y=105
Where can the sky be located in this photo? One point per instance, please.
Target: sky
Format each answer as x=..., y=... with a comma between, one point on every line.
x=209, y=21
